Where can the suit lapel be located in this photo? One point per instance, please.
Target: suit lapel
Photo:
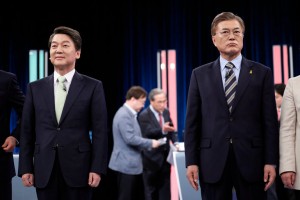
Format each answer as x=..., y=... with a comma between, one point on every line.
x=218, y=83
x=152, y=117
x=243, y=82
x=74, y=90
x=49, y=97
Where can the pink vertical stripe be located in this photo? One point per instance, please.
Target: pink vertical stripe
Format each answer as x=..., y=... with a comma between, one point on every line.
x=169, y=86
x=163, y=71
x=172, y=96
x=277, y=64
x=285, y=63
x=174, y=184
x=291, y=64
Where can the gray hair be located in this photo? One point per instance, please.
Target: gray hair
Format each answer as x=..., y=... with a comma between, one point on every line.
x=155, y=92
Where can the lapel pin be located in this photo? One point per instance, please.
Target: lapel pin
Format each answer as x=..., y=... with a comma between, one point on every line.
x=250, y=71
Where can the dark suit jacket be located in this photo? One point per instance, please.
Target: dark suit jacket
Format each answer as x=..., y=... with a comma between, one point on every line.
x=11, y=97
x=153, y=159
x=84, y=110
x=252, y=125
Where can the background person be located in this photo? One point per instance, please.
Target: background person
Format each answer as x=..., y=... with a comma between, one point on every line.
x=279, y=91
x=156, y=169
x=282, y=192
x=289, y=141
x=126, y=158
x=277, y=191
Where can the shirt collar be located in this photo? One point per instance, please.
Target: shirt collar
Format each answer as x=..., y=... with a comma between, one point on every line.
x=131, y=109
x=237, y=62
x=68, y=76
x=153, y=110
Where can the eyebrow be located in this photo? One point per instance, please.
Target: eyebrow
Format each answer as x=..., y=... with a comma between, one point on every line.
x=231, y=29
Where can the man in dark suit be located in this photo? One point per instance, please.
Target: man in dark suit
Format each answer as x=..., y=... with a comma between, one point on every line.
x=231, y=142
x=11, y=98
x=156, y=169
x=58, y=155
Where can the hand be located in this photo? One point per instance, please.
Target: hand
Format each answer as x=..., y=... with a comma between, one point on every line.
x=28, y=179
x=288, y=179
x=155, y=143
x=269, y=176
x=177, y=147
x=94, y=179
x=175, y=144
x=168, y=127
x=9, y=144
x=192, y=176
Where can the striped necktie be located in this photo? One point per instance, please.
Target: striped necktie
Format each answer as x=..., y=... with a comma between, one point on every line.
x=230, y=85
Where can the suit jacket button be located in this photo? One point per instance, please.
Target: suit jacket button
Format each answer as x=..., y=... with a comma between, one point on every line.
x=231, y=119
x=58, y=129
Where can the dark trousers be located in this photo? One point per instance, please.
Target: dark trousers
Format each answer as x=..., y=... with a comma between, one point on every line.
x=295, y=194
x=130, y=187
x=5, y=190
x=232, y=178
x=57, y=189
x=157, y=183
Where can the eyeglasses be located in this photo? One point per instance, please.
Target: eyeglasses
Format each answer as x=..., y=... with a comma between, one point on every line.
x=226, y=33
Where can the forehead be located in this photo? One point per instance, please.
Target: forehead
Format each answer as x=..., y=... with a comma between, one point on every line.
x=59, y=38
x=229, y=24
x=158, y=97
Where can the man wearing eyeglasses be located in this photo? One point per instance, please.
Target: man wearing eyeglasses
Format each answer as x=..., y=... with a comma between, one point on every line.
x=156, y=123
x=231, y=128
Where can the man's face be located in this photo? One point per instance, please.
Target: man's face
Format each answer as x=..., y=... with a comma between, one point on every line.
x=62, y=52
x=159, y=102
x=278, y=99
x=228, y=38
x=139, y=104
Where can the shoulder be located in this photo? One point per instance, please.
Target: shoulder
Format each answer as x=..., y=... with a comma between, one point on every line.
x=41, y=81
x=123, y=115
x=166, y=110
x=206, y=70
x=144, y=114
x=255, y=64
x=87, y=82
x=205, y=67
x=122, y=111
x=145, y=111
x=4, y=75
x=293, y=81
x=85, y=77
